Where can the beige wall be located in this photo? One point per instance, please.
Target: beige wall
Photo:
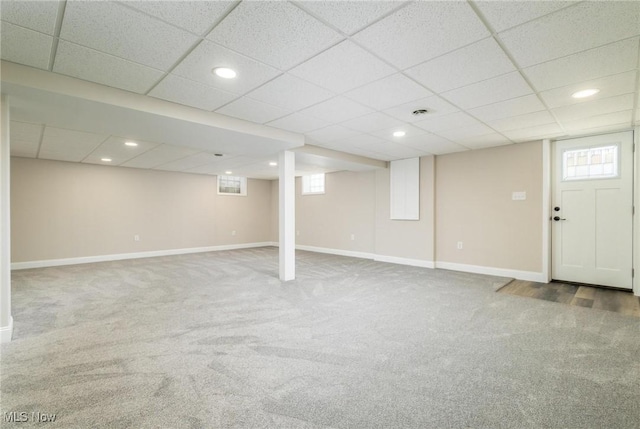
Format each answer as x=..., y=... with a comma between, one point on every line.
x=473, y=205
x=66, y=210
x=348, y=207
x=406, y=238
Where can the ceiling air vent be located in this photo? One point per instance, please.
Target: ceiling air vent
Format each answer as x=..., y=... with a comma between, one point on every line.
x=420, y=112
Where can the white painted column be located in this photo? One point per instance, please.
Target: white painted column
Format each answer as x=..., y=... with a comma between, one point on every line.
x=6, y=321
x=287, y=216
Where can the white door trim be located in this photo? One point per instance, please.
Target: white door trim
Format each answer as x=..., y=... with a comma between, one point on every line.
x=546, y=198
x=546, y=210
x=636, y=216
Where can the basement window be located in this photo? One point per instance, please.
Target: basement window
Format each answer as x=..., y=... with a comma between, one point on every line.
x=232, y=185
x=313, y=184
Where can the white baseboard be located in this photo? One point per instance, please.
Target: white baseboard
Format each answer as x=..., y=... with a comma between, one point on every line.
x=6, y=332
x=136, y=255
x=405, y=261
x=500, y=272
x=339, y=252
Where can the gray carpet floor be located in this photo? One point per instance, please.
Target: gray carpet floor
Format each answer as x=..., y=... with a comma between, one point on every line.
x=215, y=340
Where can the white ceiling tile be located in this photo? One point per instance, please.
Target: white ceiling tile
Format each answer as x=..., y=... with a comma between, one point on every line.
x=434, y=144
x=159, y=155
x=534, y=133
x=527, y=120
x=421, y=31
x=331, y=133
x=344, y=146
x=252, y=110
x=117, y=30
x=190, y=93
x=68, y=145
x=35, y=15
x=459, y=133
x=337, y=109
x=388, y=92
x=299, y=123
x=194, y=16
x=24, y=149
x=198, y=65
x=599, y=130
x=25, y=139
x=473, y=63
x=23, y=46
x=504, y=109
x=115, y=149
x=360, y=140
x=595, y=107
x=395, y=151
x=506, y=14
x=88, y=64
x=435, y=105
x=409, y=130
x=357, y=67
x=603, y=61
x=276, y=33
x=372, y=122
x=500, y=88
x=217, y=167
x=25, y=131
x=290, y=92
x=556, y=35
x=483, y=141
x=191, y=162
x=609, y=86
x=621, y=119
x=447, y=122
x=349, y=16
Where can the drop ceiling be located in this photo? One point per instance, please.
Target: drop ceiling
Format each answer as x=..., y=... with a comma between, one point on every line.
x=344, y=74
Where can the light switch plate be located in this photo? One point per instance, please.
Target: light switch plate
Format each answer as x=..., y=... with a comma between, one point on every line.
x=519, y=196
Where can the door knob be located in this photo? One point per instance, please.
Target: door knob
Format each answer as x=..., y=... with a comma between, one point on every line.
x=557, y=209
x=557, y=218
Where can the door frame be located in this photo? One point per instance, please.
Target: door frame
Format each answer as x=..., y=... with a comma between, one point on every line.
x=547, y=186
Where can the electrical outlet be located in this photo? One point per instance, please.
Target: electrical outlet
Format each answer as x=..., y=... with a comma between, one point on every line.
x=353, y=237
x=459, y=245
x=233, y=232
x=136, y=237
x=297, y=232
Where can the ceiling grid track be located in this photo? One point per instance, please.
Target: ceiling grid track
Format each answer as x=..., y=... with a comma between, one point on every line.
x=192, y=48
x=56, y=36
x=496, y=37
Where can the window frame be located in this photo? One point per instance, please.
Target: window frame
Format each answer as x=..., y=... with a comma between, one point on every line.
x=305, y=184
x=589, y=149
x=243, y=185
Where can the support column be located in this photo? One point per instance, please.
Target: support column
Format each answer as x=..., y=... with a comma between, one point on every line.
x=287, y=215
x=6, y=321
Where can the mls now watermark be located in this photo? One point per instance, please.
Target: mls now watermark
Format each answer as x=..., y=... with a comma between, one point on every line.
x=23, y=417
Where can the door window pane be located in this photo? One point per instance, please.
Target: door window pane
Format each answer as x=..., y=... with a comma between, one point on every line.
x=590, y=163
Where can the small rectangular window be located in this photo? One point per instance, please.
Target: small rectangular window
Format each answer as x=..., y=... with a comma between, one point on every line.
x=232, y=185
x=313, y=184
x=600, y=162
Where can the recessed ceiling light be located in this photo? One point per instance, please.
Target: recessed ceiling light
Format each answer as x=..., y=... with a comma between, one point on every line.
x=273, y=164
x=399, y=134
x=585, y=93
x=228, y=172
x=132, y=144
x=106, y=159
x=224, y=72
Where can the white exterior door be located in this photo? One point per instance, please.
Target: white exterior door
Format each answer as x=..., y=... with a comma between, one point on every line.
x=592, y=210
